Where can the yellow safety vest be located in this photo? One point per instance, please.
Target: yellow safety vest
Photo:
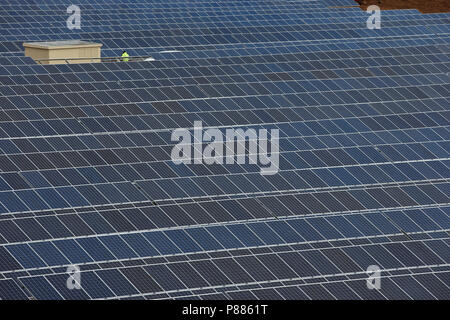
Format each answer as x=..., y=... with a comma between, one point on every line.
x=125, y=57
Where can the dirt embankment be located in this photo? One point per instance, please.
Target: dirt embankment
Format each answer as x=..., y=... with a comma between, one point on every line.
x=424, y=6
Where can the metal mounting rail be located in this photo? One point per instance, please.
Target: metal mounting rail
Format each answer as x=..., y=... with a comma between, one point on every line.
x=94, y=60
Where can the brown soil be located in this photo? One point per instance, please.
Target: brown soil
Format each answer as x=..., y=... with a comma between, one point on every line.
x=424, y=6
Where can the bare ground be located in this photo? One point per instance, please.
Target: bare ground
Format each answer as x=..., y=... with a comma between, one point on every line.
x=424, y=6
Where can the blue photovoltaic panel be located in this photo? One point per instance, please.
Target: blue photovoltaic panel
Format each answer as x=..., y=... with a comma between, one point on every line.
x=87, y=177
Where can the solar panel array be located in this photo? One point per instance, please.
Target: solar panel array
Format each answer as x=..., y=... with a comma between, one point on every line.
x=86, y=176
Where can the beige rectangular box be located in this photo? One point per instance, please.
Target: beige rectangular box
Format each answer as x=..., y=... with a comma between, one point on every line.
x=51, y=51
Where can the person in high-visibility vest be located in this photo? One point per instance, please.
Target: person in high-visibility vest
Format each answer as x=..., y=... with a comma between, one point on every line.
x=125, y=56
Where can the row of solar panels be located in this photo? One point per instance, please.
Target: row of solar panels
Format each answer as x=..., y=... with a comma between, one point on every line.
x=101, y=193
x=222, y=28
x=338, y=221
x=310, y=50
x=257, y=269
x=265, y=14
x=163, y=4
x=202, y=83
x=179, y=41
x=359, y=49
x=426, y=284
x=195, y=14
x=121, y=7
x=258, y=23
x=236, y=31
x=161, y=115
x=296, y=153
x=363, y=177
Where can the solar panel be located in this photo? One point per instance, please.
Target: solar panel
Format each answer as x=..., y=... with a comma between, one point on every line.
x=88, y=178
